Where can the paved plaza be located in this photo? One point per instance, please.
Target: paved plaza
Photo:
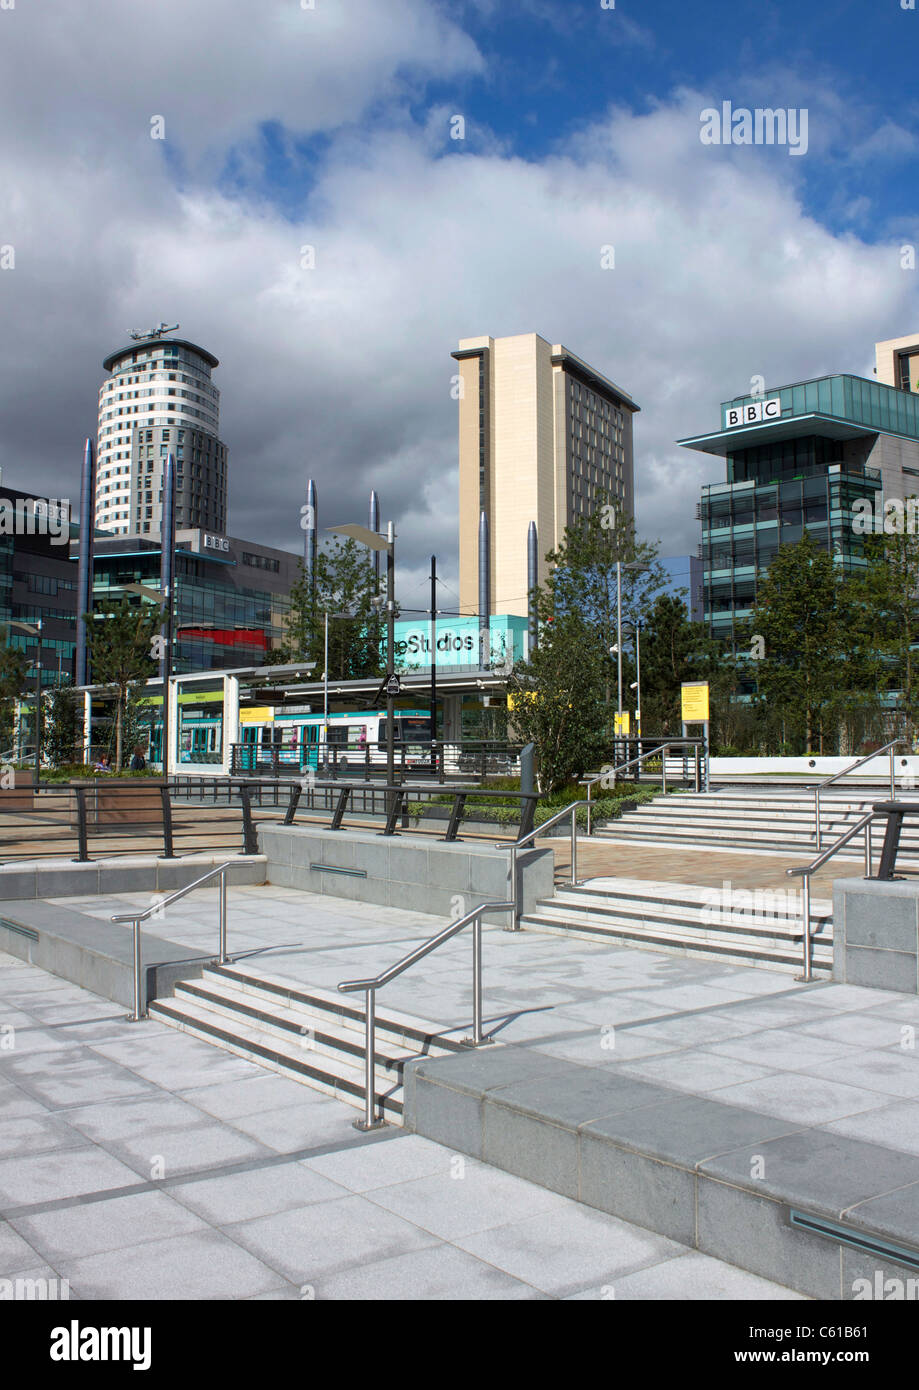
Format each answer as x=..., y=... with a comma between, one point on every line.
x=707, y=867
x=825, y=1054
x=139, y=1163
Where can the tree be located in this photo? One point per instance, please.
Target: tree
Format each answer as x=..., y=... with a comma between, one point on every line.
x=12, y=683
x=800, y=615
x=60, y=732
x=673, y=650
x=883, y=614
x=345, y=583
x=584, y=580
x=120, y=648
x=557, y=700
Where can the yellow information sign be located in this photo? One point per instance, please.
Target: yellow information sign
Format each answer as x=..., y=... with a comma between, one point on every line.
x=622, y=723
x=694, y=697
x=256, y=714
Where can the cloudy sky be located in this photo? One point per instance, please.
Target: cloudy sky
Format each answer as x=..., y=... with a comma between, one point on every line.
x=330, y=125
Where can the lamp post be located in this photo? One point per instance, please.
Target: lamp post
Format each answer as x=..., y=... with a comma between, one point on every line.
x=637, y=566
x=325, y=687
x=34, y=630
x=375, y=540
x=154, y=596
x=636, y=684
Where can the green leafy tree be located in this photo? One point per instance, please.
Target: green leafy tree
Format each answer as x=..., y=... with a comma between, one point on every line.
x=345, y=583
x=673, y=650
x=557, y=700
x=598, y=558
x=13, y=667
x=121, y=645
x=800, y=614
x=883, y=623
x=61, y=729
x=583, y=577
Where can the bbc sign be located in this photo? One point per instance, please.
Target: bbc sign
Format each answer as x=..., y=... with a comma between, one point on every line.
x=750, y=414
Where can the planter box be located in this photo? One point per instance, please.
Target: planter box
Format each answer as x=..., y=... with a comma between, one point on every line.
x=20, y=796
x=120, y=801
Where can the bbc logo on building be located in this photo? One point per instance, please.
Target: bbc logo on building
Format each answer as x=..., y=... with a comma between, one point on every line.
x=735, y=415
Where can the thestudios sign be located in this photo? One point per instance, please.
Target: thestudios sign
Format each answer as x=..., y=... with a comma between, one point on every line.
x=456, y=644
x=752, y=413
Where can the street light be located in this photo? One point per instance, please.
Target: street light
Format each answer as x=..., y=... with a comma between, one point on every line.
x=636, y=684
x=637, y=566
x=155, y=596
x=376, y=541
x=34, y=630
x=325, y=686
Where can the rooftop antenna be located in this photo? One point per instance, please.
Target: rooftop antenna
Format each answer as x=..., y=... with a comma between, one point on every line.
x=158, y=332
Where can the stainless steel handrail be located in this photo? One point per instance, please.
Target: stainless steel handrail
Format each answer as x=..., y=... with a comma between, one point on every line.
x=822, y=786
x=370, y=987
x=807, y=870
x=662, y=749
x=220, y=872
x=571, y=811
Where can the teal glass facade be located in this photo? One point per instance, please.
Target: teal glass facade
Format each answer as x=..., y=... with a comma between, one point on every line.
x=870, y=405
x=743, y=525
x=800, y=466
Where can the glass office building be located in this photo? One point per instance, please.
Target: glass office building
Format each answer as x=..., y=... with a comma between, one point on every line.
x=38, y=582
x=798, y=458
x=232, y=597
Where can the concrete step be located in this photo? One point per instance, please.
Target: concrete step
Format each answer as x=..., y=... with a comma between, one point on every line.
x=814, y=1214
x=712, y=909
x=689, y=919
x=830, y=812
x=784, y=824
x=653, y=834
x=773, y=954
x=311, y=1035
x=414, y=1033
x=784, y=816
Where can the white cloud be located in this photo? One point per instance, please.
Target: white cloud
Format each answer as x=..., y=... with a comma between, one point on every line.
x=343, y=372
x=87, y=78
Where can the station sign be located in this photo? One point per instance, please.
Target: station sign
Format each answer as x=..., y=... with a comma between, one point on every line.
x=457, y=642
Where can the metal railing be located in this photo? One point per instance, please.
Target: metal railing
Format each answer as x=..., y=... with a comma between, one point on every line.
x=570, y=811
x=390, y=800
x=659, y=750
x=220, y=873
x=821, y=788
x=808, y=870
x=475, y=759
x=117, y=817
x=371, y=1119
x=895, y=811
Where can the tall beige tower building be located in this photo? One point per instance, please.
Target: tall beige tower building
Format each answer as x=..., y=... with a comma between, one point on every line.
x=541, y=437
x=897, y=362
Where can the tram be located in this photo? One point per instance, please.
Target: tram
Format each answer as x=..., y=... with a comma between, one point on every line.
x=298, y=740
